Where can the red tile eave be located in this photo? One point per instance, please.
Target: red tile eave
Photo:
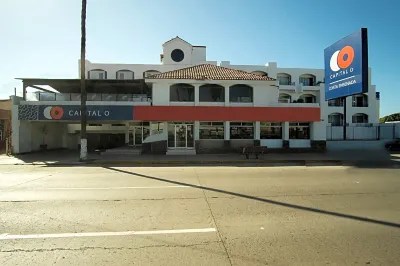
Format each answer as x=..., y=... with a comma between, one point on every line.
x=220, y=113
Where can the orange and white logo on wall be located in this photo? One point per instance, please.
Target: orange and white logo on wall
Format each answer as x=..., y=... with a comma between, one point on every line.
x=53, y=112
x=342, y=59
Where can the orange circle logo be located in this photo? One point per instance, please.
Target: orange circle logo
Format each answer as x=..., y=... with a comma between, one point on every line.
x=342, y=59
x=56, y=112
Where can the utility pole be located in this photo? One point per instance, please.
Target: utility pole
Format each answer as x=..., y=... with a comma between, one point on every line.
x=84, y=151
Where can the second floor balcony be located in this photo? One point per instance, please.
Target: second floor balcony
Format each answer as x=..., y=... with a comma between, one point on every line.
x=101, y=97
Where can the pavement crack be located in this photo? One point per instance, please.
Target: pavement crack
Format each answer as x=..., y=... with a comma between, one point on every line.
x=106, y=248
x=214, y=220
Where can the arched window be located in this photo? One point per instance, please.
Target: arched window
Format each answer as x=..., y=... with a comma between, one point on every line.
x=307, y=80
x=149, y=73
x=181, y=93
x=360, y=100
x=359, y=118
x=284, y=79
x=259, y=73
x=284, y=98
x=97, y=74
x=308, y=98
x=211, y=93
x=335, y=119
x=125, y=74
x=241, y=93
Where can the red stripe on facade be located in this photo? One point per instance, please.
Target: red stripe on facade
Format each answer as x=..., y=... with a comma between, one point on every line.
x=220, y=113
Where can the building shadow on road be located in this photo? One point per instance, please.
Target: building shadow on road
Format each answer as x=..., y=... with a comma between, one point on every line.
x=269, y=201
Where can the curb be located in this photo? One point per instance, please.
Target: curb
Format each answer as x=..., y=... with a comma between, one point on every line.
x=215, y=162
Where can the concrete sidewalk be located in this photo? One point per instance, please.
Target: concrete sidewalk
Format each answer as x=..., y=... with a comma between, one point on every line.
x=65, y=157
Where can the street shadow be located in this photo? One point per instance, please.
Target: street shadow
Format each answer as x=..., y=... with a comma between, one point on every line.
x=274, y=202
x=363, y=164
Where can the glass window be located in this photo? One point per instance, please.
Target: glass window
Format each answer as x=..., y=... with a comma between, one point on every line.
x=299, y=130
x=335, y=102
x=47, y=96
x=242, y=130
x=360, y=118
x=157, y=128
x=307, y=80
x=284, y=79
x=212, y=130
x=97, y=74
x=125, y=74
x=181, y=93
x=270, y=130
x=360, y=101
x=241, y=94
x=211, y=93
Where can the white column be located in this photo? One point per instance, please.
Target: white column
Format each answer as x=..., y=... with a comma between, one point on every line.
x=257, y=130
x=165, y=130
x=196, y=95
x=227, y=130
x=226, y=95
x=127, y=135
x=285, y=130
x=196, y=130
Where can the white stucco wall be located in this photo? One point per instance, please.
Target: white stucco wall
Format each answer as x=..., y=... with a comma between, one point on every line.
x=177, y=44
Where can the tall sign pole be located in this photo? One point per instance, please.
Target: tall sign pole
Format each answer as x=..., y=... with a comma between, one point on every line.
x=84, y=151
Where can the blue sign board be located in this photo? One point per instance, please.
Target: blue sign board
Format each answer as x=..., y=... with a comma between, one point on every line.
x=73, y=112
x=346, y=66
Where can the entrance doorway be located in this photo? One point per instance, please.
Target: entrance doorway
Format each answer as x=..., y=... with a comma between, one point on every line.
x=137, y=135
x=180, y=136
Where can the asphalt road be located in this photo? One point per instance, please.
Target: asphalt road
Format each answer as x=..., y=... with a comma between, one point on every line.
x=199, y=216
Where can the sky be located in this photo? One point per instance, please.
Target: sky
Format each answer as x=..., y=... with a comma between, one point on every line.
x=41, y=38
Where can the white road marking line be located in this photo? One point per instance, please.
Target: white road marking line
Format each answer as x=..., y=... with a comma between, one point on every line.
x=107, y=188
x=94, y=234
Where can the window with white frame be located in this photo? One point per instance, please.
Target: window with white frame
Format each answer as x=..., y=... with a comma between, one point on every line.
x=299, y=130
x=157, y=128
x=242, y=130
x=212, y=130
x=270, y=130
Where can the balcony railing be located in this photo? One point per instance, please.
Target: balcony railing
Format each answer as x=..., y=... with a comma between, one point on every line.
x=104, y=97
x=286, y=83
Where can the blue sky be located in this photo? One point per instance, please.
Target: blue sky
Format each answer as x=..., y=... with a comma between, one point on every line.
x=41, y=38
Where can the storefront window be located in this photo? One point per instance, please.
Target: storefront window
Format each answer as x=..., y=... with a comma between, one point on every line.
x=242, y=130
x=157, y=128
x=211, y=130
x=299, y=131
x=270, y=130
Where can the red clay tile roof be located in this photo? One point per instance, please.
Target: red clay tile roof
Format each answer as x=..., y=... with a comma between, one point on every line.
x=209, y=72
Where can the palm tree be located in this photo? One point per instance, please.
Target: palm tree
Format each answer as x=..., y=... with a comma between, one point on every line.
x=84, y=152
